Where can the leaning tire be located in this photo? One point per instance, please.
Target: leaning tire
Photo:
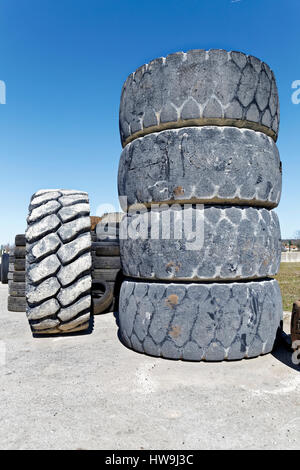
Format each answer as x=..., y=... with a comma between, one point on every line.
x=102, y=297
x=199, y=88
x=219, y=165
x=58, y=262
x=197, y=321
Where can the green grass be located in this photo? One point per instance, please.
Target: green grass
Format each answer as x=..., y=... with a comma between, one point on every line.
x=289, y=281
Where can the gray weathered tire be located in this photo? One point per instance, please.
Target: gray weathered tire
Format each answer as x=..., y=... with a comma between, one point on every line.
x=106, y=262
x=58, y=262
x=16, y=304
x=215, y=165
x=197, y=322
x=199, y=88
x=233, y=243
x=4, y=268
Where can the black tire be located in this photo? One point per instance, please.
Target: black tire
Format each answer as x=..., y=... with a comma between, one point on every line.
x=20, y=240
x=106, y=262
x=195, y=322
x=19, y=264
x=105, y=274
x=102, y=297
x=58, y=262
x=17, y=289
x=20, y=252
x=106, y=248
x=4, y=268
x=18, y=276
x=16, y=304
x=199, y=88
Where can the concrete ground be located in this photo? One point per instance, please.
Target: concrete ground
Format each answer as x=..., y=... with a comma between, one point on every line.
x=90, y=392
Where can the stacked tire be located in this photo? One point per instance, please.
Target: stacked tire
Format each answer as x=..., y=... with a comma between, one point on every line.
x=58, y=262
x=17, y=298
x=199, y=132
x=106, y=260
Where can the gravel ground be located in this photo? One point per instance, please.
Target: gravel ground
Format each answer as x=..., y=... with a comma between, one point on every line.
x=91, y=392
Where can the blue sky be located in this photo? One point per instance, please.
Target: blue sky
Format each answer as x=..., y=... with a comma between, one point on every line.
x=64, y=63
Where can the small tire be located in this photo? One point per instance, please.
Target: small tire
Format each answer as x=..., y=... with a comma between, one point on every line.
x=106, y=262
x=20, y=240
x=106, y=248
x=19, y=264
x=20, y=252
x=106, y=274
x=17, y=289
x=16, y=304
x=102, y=296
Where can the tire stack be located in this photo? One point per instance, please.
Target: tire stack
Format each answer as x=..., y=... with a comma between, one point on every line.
x=17, y=299
x=106, y=258
x=58, y=262
x=199, y=128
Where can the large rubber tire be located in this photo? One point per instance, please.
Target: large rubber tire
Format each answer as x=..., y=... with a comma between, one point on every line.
x=20, y=240
x=4, y=268
x=214, y=165
x=236, y=243
x=16, y=304
x=197, y=322
x=102, y=297
x=199, y=88
x=58, y=262
x=106, y=262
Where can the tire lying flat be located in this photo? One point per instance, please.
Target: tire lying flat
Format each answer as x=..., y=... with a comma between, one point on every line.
x=16, y=304
x=199, y=88
x=214, y=165
x=197, y=322
x=58, y=262
x=232, y=243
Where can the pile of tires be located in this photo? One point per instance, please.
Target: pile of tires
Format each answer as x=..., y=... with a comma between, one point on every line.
x=58, y=262
x=199, y=132
x=16, y=298
x=106, y=263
